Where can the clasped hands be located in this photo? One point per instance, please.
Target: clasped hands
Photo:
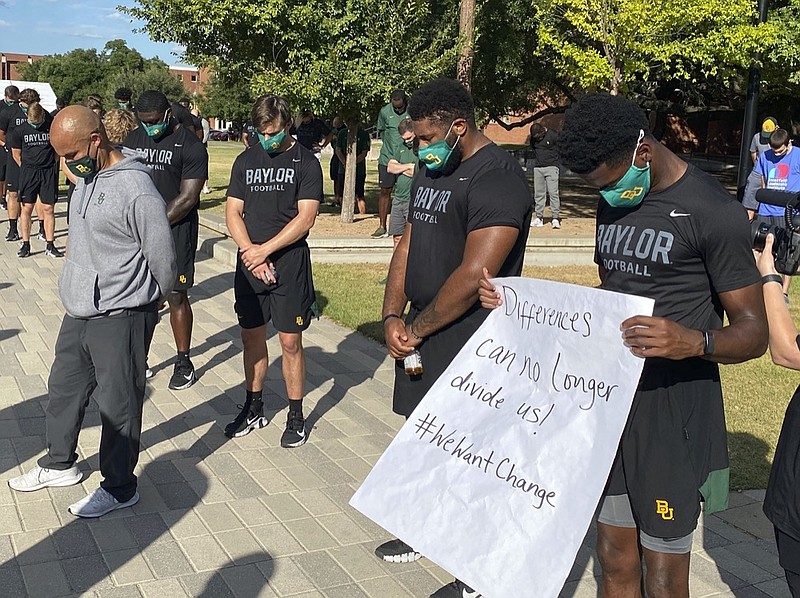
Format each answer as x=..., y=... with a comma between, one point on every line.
x=255, y=259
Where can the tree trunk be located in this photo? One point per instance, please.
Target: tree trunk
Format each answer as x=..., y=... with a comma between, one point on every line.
x=349, y=190
x=466, y=30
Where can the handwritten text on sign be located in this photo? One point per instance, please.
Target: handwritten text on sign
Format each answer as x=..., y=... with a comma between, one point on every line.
x=497, y=473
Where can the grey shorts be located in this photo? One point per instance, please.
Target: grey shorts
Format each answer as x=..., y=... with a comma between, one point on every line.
x=616, y=511
x=398, y=218
x=749, y=200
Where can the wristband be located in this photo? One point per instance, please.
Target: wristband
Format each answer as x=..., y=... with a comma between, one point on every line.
x=388, y=316
x=708, y=343
x=772, y=278
x=412, y=333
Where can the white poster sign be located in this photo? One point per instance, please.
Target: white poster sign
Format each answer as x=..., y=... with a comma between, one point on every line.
x=496, y=475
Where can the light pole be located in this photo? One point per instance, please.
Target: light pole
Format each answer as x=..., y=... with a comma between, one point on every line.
x=750, y=110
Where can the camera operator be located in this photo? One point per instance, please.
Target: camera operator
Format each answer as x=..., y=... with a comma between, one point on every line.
x=782, y=501
x=779, y=168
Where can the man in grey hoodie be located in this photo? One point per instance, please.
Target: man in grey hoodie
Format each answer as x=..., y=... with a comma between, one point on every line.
x=120, y=264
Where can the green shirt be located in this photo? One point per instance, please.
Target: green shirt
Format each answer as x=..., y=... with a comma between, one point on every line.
x=363, y=144
x=402, y=186
x=388, y=120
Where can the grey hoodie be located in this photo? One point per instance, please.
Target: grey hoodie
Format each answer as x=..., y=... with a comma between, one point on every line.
x=120, y=253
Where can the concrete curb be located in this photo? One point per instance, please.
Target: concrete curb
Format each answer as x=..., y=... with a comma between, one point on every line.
x=540, y=251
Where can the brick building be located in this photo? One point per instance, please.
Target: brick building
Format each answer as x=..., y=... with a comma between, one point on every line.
x=9, y=62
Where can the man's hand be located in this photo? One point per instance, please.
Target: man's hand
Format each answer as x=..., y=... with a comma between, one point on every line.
x=659, y=337
x=764, y=259
x=487, y=292
x=397, y=338
x=264, y=272
x=253, y=256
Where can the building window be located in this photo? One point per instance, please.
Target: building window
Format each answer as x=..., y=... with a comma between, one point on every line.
x=180, y=77
x=194, y=78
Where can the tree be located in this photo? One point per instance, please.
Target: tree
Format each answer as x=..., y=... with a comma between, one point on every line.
x=334, y=57
x=228, y=97
x=80, y=72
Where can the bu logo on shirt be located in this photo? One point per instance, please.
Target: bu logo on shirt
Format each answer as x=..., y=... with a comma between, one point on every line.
x=82, y=168
x=663, y=509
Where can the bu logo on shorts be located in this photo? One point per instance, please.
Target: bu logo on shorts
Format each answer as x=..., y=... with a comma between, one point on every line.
x=299, y=320
x=663, y=509
x=182, y=278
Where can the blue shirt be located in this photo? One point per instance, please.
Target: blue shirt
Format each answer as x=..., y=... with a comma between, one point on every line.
x=782, y=173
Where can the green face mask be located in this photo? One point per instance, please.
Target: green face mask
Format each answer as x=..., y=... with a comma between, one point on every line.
x=83, y=168
x=435, y=155
x=24, y=109
x=34, y=125
x=123, y=105
x=271, y=144
x=630, y=190
x=8, y=103
x=157, y=130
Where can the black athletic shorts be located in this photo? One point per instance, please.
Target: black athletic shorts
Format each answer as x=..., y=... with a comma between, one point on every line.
x=3, y=163
x=289, y=304
x=12, y=173
x=673, y=451
x=184, y=235
x=437, y=351
x=38, y=182
x=361, y=181
x=386, y=179
x=333, y=169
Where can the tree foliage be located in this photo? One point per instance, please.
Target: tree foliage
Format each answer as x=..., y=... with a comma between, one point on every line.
x=227, y=96
x=81, y=72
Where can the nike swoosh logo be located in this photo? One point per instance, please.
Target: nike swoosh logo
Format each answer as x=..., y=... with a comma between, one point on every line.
x=188, y=377
x=465, y=178
x=178, y=145
x=674, y=214
x=295, y=159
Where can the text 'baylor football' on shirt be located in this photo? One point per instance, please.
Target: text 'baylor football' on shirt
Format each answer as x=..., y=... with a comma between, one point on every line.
x=177, y=156
x=488, y=189
x=270, y=187
x=34, y=144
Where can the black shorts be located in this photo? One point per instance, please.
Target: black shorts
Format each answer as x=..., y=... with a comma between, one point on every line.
x=333, y=170
x=3, y=163
x=289, y=304
x=673, y=451
x=437, y=351
x=38, y=183
x=12, y=173
x=386, y=179
x=184, y=235
x=361, y=181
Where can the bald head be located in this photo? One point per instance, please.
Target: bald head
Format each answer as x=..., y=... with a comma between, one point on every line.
x=74, y=128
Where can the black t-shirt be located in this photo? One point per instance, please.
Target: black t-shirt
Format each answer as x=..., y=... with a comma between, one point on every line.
x=34, y=143
x=270, y=187
x=10, y=117
x=488, y=189
x=682, y=247
x=177, y=156
x=544, y=150
x=310, y=135
x=182, y=115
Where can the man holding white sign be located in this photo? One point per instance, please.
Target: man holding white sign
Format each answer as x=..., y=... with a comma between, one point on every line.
x=667, y=231
x=470, y=207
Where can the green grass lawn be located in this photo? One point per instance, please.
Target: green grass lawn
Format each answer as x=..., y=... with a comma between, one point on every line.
x=756, y=392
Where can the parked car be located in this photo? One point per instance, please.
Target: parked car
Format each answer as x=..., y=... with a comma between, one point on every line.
x=217, y=135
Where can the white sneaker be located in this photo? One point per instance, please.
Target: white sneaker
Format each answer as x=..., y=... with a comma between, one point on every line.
x=537, y=223
x=206, y=190
x=556, y=223
x=98, y=503
x=39, y=477
x=148, y=374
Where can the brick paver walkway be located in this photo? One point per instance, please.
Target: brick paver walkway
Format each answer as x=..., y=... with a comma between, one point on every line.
x=244, y=517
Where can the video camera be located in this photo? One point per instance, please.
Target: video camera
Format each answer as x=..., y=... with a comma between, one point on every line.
x=786, y=248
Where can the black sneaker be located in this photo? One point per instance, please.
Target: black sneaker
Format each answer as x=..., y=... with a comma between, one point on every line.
x=24, y=250
x=295, y=433
x=182, y=376
x=3, y=205
x=12, y=235
x=41, y=236
x=455, y=589
x=397, y=551
x=250, y=418
x=52, y=251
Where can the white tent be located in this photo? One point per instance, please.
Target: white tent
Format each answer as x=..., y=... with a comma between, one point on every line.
x=46, y=93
